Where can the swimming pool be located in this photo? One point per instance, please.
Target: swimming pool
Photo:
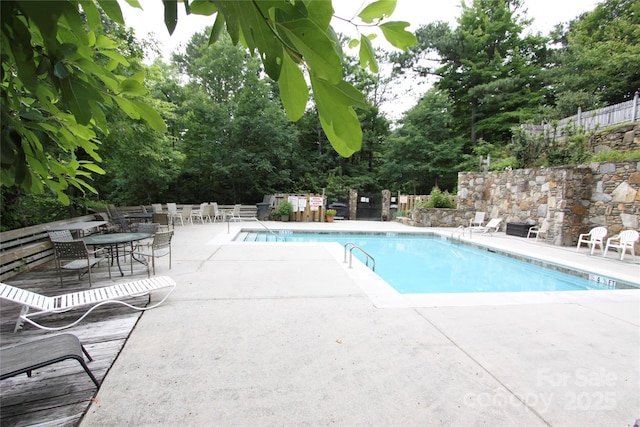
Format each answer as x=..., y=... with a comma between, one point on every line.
x=414, y=264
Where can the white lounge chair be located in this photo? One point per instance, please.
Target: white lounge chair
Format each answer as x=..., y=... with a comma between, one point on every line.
x=493, y=225
x=594, y=237
x=542, y=230
x=92, y=298
x=478, y=221
x=623, y=241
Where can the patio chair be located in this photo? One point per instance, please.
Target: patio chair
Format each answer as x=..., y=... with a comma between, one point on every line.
x=623, y=241
x=234, y=215
x=60, y=236
x=594, y=237
x=41, y=305
x=26, y=357
x=477, y=221
x=157, y=207
x=200, y=213
x=159, y=247
x=147, y=227
x=163, y=220
x=541, y=230
x=493, y=225
x=77, y=257
x=216, y=212
x=185, y=214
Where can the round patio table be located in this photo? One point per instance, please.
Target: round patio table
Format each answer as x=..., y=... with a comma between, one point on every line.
x=113, y=240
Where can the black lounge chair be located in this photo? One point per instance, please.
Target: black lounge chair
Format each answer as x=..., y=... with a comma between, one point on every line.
x=24, y=358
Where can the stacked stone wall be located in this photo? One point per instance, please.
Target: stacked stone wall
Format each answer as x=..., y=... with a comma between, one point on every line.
x=623, y=138
x=574, y=199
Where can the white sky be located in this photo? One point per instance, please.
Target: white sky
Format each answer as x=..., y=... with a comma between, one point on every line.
x=545, y=13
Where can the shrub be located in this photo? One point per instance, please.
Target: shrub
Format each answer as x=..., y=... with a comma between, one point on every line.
x=284, y=209
x=439, y=199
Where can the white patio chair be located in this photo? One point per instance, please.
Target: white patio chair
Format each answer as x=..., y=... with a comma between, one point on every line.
x=542, y=230
x=594, y=237
x=200, y=213
x=623, y=241
x=216, y=214
x=477, y=222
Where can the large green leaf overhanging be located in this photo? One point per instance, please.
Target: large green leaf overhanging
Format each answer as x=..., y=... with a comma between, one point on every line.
x=337, y=116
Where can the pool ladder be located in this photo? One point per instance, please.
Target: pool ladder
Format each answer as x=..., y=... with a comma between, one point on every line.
x=459, y=234
x=350, y=247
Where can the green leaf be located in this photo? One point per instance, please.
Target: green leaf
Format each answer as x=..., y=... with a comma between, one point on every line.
x=60, y=70
x=320, y=12
x=349, y=95
x=203, y=7
x=99, y=117
x=294, y=92
x=338, y=119
x=75, y=100
x=115, y=56
x=127, y=106
x=131, y=87
x=367, y=55
x=151, y=116
x=104, y=42
x=170, y=14
x=72, y=17
x=134, y=3
x=377, y=10
x=316, y=48
x=354, y=43
x=216, y=30
x=93, y=167
x=396, y=34
x=112, y=9
x=92, y=13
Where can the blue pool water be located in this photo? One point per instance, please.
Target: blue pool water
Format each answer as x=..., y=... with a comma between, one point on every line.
x=423, y=264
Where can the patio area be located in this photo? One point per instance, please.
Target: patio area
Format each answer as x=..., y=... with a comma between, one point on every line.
x=286, y=334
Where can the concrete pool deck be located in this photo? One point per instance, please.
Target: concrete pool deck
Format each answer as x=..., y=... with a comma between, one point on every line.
x=286, y=334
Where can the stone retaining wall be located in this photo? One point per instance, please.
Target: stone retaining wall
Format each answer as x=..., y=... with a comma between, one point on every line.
x=623, y=138
x=574, y=199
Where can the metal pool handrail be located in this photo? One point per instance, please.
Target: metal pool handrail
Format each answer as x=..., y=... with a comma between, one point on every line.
x=353, y=246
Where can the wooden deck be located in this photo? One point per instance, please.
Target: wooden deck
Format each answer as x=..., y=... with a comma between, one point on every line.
x=59, y=394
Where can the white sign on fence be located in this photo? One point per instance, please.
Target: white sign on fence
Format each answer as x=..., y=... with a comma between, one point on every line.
x=316, y=202
x=294, y=202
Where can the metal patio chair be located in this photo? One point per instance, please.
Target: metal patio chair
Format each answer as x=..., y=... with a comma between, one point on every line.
x=74, y=255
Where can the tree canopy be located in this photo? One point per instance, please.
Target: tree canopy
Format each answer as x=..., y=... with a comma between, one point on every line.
x=60, y=75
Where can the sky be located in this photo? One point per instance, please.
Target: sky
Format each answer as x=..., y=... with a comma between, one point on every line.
x=545, y=13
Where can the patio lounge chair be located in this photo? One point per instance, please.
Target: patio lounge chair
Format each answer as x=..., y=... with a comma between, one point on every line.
x=493, y=225
x=26, y=357
x=542, y=230
x=92, y=298
x=594, y=237
x=623, y=241
x=478, y=221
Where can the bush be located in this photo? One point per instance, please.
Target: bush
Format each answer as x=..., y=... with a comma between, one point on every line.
x=284, y=209
x=438, y=199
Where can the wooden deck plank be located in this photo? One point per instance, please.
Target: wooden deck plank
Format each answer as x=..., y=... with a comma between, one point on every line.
x=59, y=394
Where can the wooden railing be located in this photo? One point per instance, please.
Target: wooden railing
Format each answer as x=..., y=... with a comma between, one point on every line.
x=589, y=121
x=26, y=248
